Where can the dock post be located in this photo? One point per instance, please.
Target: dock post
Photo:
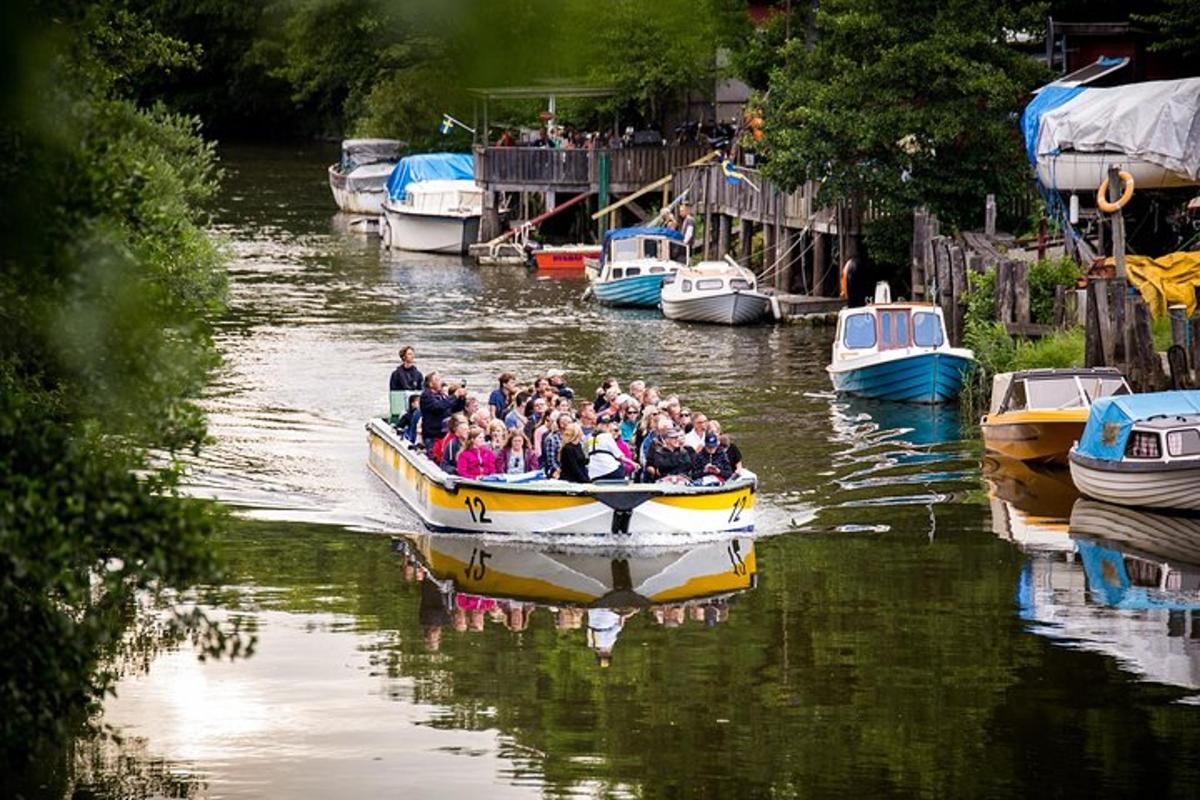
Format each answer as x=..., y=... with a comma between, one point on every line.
x=1118, y=222
x=783, y=275
x=989, y=216
x=722, y=235
x=489, y=224
x=745, y=241
x=769, y=246
x=958, y=285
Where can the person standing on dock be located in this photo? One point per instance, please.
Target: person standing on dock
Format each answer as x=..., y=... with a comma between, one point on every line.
x=687, y=224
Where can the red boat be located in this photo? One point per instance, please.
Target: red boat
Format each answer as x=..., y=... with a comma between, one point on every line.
x=566, y=258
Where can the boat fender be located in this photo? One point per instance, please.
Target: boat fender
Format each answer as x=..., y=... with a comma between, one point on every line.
x=1102, y=201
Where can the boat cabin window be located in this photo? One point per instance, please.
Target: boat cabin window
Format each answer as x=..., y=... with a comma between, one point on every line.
x=1054, y=393
x=650, y=248
x=631, y=271
x=679, y=252
x=687, y=285
x=705, y=284
x=657, y=270
x=624, y=249
x=927, y=330
x=1143, y=444
x=618, y=272
x=860, y=331
x=1095, y=388
x=739, y=283
x=893, y=329
x=1016, y=397
x=1184, y=443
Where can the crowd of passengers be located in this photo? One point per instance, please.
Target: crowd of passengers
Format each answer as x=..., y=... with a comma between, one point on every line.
x=636, y=435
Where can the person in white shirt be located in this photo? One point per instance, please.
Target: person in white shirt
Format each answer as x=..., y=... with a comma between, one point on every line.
x=605, y=459
x=695, y=437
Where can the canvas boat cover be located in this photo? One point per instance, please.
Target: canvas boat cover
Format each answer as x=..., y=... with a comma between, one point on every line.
x=360, y=152
x=429, y=167
x=1172, y=279
x=1111, y=419
x=1156, y=121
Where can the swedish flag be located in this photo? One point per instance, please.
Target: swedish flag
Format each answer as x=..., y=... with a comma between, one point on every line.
x=732, y=174
x=447, y=124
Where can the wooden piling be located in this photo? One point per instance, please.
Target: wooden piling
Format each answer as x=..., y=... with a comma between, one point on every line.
x=745, y=240
x=723, y=226
x=989, y=216
x=1020, y=287
x=1004, y=291
x=958, y=286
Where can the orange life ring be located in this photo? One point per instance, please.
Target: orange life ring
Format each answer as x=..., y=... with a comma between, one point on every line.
x=1102, y=201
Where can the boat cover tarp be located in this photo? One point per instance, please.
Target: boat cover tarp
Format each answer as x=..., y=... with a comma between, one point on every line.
x=1156, y=121
x=369, y=177
x=360, y=152
x=1111, y=419
x=1167, y=280
x=1049, y=98
x=429, y=167
x=629, y=233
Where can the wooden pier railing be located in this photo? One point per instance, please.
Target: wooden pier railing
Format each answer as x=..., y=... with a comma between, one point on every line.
x=540, y=169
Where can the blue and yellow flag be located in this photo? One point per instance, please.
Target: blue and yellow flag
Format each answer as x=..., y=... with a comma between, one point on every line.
x=732, y=174
x=447, y=124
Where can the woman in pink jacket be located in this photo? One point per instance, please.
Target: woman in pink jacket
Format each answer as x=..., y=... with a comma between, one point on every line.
x=477, y=459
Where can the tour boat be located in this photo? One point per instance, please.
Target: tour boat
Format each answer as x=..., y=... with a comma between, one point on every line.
x=1141, y=450
x=634, y=262
x=433, y=204
x=897, y=351
x=564, y=259
x=535, y=504
x=722, y=292
x=359, y=180
x=591, y=576
x=1036, y=415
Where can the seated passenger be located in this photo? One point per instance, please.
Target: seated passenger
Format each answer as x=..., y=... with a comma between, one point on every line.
x=711, y=460
x=476, y=459
x=605, y=460
x=501, y=398
x=497, y=436
x=731, y=449
x=517, y=457
x=406, y=426
x=669, y=459
x=555, y=376
x=571, y=458
x=516, y=417
x=458, y=442
x=552, y=444
x=695, y=437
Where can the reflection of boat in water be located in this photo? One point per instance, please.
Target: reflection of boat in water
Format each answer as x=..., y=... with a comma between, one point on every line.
x=915, y=424
x=1129, y=588
x=448, y=503
x=1037, y=414
x=1142, y=450
x=594, y=577
x=1040, y=490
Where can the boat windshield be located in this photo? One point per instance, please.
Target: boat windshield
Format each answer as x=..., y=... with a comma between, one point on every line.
x=927, y=330
x=1097, y=387
x=859, y=331
x=893, y=329
x=624, y=249
x=738, y=283
x=1054, y=393
x=650, y=248
x=679, y=252
x=707, y=284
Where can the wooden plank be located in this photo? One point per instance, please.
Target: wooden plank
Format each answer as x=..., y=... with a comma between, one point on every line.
x=1149, y=365
x=958, y=285
x=1031, y=330
x=1116, y=304
x=1020, y=283
x=920, y=234
x=722, y=235
x=1098, y=303
x=1060, y=306
x=989, y=216
x=1093, y=338
x=1004, y=290
x=1179, y=329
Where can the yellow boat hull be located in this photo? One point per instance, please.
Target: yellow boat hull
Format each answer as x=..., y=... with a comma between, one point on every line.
x=448, y=503
x=1034, y=435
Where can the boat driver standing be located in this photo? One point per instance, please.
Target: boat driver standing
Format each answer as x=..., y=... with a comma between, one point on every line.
x=687, y=224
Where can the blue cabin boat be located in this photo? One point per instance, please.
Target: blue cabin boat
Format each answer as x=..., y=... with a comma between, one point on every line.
x=634, y=262
x=897, y=351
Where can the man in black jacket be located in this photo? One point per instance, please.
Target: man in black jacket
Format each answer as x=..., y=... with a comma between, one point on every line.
x=406, y=377
x=436, y=407
x=670, y=457
x=711, y=460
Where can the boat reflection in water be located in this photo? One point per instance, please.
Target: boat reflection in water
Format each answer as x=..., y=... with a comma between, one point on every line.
x=1125, y=583
x=468, y=582
x=1030, y=502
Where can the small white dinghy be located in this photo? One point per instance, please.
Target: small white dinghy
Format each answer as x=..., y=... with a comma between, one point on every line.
x=721, y=292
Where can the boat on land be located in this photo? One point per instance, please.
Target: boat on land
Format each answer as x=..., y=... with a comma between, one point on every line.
x=432, y=204
x=589, y=577
x=533, y=504
x=1141, y=450
x=720, y=292
x=1036, y=415
x=898, y=352
x=634, y=262
x=359, y=179
x=564, y=259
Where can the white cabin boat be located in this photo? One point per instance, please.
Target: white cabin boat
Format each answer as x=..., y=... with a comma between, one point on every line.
x=359, y=180
x=634, y=263
x=721, y=292
x=437, y=216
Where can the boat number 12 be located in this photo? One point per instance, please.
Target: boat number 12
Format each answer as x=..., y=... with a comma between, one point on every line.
x=477, y=510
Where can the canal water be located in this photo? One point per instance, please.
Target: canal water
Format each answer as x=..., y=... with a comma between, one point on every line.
x=901, y=624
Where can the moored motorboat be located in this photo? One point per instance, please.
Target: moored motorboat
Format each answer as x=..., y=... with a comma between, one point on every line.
x=1036, y=415
x=1141, y=450
x=433, y=204
x=634, y=262
x=897, y=351
x=359, y=179
x=446, y=502
x=564, y=259
x=720, y=292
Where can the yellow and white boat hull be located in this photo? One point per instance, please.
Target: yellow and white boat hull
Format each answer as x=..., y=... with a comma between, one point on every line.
x=449, y=503
x=1034, y=435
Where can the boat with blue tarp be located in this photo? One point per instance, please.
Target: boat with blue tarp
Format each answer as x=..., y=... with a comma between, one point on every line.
x=897, y=351
x=432, y=204
x=634, y=262
x=1141, y=450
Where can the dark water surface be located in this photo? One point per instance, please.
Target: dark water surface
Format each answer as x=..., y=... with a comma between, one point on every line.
x=900, y=627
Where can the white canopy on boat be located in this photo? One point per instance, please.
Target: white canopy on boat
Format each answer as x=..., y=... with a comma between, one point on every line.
x=1157, y=121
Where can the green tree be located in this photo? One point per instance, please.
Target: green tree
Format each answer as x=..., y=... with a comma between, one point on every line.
x=107, y=285
x=903, y=104
x=1176, y=24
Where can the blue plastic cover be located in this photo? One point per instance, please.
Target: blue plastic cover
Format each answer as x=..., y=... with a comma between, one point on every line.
x=429, y=167
x=1110, y=419
x=1050, y=97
